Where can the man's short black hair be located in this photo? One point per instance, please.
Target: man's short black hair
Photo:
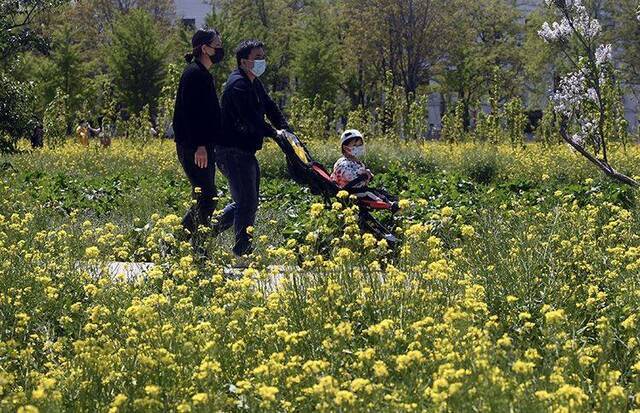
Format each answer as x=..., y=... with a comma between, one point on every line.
x=245, y=47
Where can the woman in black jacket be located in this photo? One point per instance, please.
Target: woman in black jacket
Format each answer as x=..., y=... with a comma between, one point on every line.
x=197, y=126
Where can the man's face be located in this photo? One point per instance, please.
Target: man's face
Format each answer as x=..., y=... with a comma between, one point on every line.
x=255, y=54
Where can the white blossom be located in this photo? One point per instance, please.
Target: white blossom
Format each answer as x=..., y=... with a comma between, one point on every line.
x=584, y=24
x=570, y=93
x=588, y=128
x=555, y=31
x=578, y=140
x=580, y=21
x=603, y=54
x=576, y=95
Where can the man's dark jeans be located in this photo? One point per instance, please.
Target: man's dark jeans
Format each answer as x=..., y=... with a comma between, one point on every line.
x=243, y=173
x=203, y=187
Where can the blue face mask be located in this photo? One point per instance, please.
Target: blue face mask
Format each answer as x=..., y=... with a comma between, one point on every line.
x=357, y=151
x=259, y=66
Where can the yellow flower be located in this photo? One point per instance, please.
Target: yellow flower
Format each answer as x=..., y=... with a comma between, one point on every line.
x=311, y=237
x=504, y=341
x=468, y=231
x=119, y=400
x=524, y=316
x=183, y=408
x=90, y=289
x=268, y=393
x=543, y=395
x=186, y=261
x=358, y=384
x=345, y=397
x=404, y=203
x=344, y=329
x=38, y=393
x=616, y=392
x=446, y=211
x=380, y=328
x=380, y=369
x=369, y=240
x=555, y=316
x=629, y=322
x=531, y=354
x=403, y=361
x=92, y=252
x=343, y=194
x=523, y=367
x=200, y=398
x=574, y=393
x=367, y=354
x=152, y=390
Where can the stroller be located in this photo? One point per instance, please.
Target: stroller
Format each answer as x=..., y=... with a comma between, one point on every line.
x=306, y=171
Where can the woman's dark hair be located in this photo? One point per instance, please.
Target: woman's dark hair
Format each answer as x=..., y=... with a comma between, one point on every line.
x=245, y=47
x=202, y=36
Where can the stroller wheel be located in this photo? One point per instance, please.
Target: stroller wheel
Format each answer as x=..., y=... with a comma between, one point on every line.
x=369, y=224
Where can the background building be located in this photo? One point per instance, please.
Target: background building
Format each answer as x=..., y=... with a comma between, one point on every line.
x=631, y=99
x=193, y=12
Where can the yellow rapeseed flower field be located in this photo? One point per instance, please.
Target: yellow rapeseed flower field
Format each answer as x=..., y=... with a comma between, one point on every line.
x=515, y=287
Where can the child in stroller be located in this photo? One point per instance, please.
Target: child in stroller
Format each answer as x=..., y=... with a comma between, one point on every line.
x=305, y=170
x=349, y=172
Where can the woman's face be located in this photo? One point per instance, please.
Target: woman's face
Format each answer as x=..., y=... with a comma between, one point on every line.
x=210, y=48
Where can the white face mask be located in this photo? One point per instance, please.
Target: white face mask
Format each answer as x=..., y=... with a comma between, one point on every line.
x=357, y=151
x=259, y=66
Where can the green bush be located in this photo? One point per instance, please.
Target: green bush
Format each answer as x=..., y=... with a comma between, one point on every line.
x=55, y=120
x=481, y=164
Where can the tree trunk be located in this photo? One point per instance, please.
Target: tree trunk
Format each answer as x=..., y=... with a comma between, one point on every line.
x=604, y=166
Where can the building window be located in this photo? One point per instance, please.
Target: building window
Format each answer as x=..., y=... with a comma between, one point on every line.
x=189, y=23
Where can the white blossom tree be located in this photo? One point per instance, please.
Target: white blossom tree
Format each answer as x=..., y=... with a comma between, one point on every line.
x=582, y=99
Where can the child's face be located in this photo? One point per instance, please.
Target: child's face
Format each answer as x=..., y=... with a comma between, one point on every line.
x=353, y=142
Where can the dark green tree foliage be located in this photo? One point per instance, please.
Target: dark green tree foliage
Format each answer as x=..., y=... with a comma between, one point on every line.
x=16, y=36
x=271, y=21
x=15, y=111
x=625, y=34
x=315, y=63
x=16, y=31
x=136, y=60
x=64, y=70
x=488, y=38
x=406, y=37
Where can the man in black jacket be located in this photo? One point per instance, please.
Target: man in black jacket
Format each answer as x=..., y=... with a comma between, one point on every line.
x=197, y=126
x=245, y=103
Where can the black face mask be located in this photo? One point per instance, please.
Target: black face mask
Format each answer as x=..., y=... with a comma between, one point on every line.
x=218, y=55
